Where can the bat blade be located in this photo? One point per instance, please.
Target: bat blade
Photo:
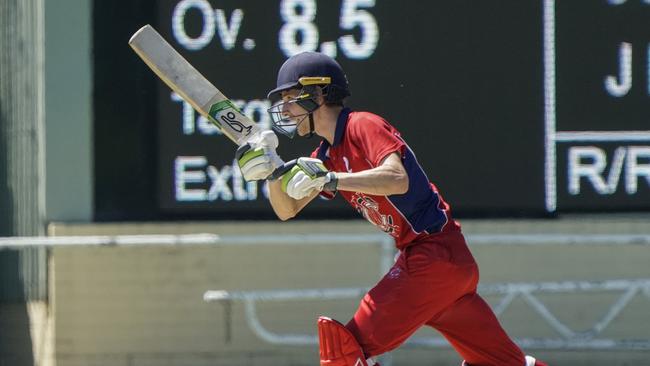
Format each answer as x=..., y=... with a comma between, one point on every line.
x=191, y=85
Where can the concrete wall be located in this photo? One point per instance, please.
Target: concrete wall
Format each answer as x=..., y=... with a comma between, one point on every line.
x=143, y=306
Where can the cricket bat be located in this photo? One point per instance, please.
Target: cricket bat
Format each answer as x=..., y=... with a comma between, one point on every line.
x=193, y=87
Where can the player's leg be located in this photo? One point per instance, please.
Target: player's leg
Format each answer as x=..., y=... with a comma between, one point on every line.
x=473, y=330
x=382, y=321
x=424, y=281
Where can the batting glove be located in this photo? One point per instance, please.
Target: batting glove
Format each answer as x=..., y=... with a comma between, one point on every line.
x=257, y=159
x=308, y=175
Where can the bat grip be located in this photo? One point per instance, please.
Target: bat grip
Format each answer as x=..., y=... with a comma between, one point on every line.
x=279, y=172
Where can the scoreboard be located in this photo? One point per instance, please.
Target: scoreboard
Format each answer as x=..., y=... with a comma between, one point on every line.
x=511, y=107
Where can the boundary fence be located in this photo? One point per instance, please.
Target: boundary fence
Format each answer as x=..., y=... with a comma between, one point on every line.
x=566, y=338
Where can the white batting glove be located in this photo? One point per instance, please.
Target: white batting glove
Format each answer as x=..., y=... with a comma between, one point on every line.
x=257, y=159
x=306, y=177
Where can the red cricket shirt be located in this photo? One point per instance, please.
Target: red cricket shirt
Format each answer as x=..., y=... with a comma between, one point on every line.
x=361, y=141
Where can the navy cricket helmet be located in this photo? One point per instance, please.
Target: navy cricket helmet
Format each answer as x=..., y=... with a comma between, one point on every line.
x=312, y=68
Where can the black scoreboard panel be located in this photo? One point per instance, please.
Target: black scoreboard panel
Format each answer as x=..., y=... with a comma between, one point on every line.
x=603, y=105
x=503, y=102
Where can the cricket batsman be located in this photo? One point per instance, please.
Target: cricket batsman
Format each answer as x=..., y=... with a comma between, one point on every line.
x=363, y=158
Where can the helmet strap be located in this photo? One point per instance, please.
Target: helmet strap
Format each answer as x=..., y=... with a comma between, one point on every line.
x=310, y=106
x=311, y=125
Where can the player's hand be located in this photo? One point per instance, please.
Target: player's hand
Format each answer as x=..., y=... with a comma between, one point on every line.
x=257, y=159
x=308, y=175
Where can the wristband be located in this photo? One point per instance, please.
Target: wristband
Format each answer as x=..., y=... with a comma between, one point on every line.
x=332, y=183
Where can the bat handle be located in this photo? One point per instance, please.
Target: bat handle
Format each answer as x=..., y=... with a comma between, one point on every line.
x=279, y=172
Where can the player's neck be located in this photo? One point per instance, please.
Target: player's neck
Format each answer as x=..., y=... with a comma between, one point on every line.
x=327, y=118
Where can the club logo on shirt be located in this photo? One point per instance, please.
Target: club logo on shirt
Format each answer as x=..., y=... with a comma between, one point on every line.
x=369, y=208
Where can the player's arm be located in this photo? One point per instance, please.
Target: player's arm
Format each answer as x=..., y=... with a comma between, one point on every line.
x=309, y=176
x=283, y=205
x=387, y=179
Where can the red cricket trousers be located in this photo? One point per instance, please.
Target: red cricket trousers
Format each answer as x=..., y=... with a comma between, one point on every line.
x=433, y=282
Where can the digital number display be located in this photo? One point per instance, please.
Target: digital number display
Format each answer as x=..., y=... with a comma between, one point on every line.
x=298, y=32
